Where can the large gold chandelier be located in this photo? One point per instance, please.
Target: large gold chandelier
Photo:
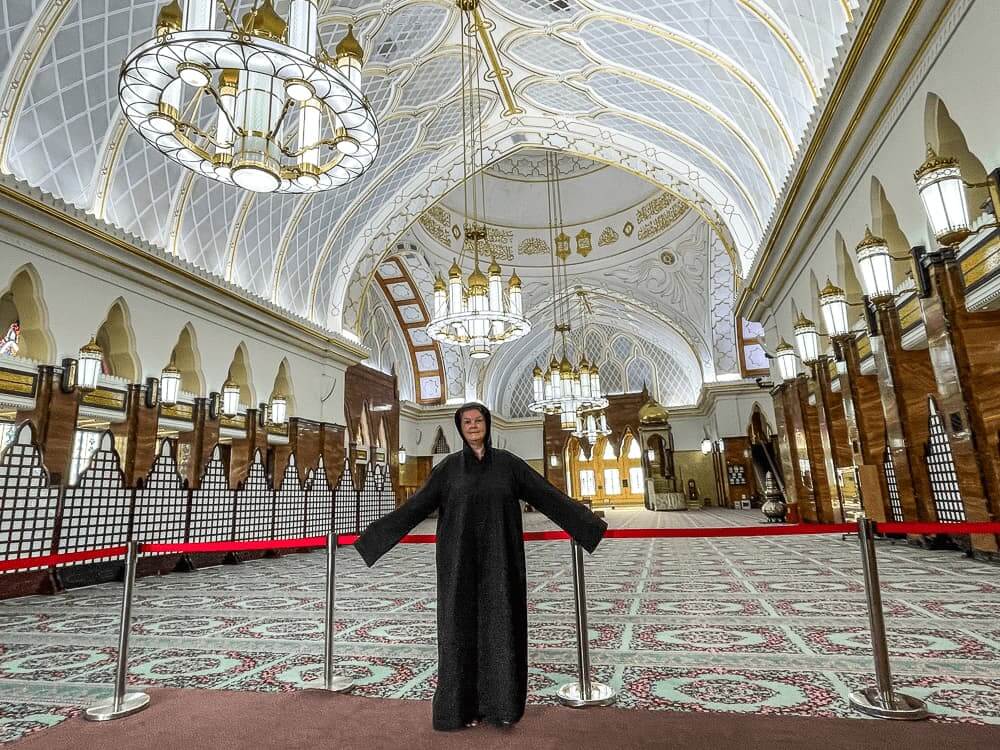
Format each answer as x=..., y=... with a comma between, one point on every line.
x=475, y=312
x=288, y=117
x=564, y=389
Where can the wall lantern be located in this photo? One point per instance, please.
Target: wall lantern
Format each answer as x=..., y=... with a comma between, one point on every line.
x=942, y=191
x=214, y=405
x=833, y=303
x=787, y=367
x=651, y=455
x=230, y=397
x=876, y=266
x=706, y=446
x=402, y=454
x=279, y=409
x=721, y=444
x=152, y=393
x=170, y=384
x=90, y=361
x=553, y=460
x=67, y=382
x=806, y=339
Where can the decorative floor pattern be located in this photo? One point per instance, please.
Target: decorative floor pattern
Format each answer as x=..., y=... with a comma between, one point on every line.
x=762, y=625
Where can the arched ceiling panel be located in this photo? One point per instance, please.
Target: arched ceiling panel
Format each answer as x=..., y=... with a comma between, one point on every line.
x=72, y=98
x=305, y=238
x=142, y=190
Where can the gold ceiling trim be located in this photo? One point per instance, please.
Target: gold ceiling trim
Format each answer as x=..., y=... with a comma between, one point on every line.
x=234, y=234
x=702, y=50
x=842, y=84
x=21, y=68
x=183, y=191
x=500, y=74
x=119, y=134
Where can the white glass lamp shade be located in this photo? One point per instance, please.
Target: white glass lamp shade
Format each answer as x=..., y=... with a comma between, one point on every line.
x=198, y=15
x=942, y=191
x=514, y=294
x=567, y=419
x=456, y=294
x=787, y=367
x=302, y=16
x=556, y=379
x=279, y=409
x=90, y=359
x=230, y=398
x=196, y=76
x=170, y=384
x=165, y=118
x=402, y=455
x=349, y=56
x=538, y=384
x=706, y=446
x=223, y=158
x=806, y=339
x=310, y=118
x=876, y=266
x=651, y=455
x=833, y=303
x=440, y=298
x=602, y=424
x=495, y=284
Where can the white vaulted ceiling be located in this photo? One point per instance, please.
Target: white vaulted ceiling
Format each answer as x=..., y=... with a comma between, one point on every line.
x=707, y=100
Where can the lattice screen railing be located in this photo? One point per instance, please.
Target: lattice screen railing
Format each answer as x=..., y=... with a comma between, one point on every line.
x=101, y=511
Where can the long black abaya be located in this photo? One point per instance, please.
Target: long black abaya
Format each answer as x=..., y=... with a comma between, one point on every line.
x=482, y=612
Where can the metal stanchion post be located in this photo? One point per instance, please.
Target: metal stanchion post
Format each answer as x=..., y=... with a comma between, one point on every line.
x=584, y=692
x=332, y=682
x=123, y=703
x=880, y=701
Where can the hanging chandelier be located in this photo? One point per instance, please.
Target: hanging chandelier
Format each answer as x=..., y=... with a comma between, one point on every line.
x=564, y=389
x=287, y=117
x=475, y=311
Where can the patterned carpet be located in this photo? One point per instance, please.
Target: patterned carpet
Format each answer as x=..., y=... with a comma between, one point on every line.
x=764, y=625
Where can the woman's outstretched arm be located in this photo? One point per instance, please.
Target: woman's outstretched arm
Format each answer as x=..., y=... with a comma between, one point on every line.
x=384, y=534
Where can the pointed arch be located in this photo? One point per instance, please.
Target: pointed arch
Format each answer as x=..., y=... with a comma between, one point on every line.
x=239, y=371
x=116, y=337
x=23, y=301
x=847, y=277
x=283, y=386
x=187, y=359
x=945, y=136
x=885, y=225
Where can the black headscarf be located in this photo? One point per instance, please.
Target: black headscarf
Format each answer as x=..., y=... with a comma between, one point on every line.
x=481, y=408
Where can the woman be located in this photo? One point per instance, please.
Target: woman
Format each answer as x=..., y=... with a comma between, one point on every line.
x=482, y=611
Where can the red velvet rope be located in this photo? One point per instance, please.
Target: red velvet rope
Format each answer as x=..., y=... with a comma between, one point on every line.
x=248, y=546
x=45, y=561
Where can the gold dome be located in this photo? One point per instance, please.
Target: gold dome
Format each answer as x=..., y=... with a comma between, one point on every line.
x=265, y=22
x=439, y=285
x=477, y=280
x=830, y=290
x=803, y=322
x=455, y=272
x=537, y=372
x=169, y=19
x=515, y=280
x=653, y=414
x=349, y=46
x=494, y=269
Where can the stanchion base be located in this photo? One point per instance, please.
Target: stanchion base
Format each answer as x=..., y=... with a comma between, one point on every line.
x=571, y=695
x=131, y=703
x=338, y=684
x=906, y=708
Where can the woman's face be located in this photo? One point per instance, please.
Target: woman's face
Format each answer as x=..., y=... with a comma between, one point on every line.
x=473, y=426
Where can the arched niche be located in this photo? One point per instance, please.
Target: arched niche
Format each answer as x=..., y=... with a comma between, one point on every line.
x=239, y=372
x=944, y=135
x=847, y=277
x=885, y=225
x=186, y=358
x=23, y=301
x=815, y=314
x=283, y=385
x=116, y=338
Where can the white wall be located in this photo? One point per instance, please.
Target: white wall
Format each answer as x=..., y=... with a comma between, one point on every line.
x=79, y=285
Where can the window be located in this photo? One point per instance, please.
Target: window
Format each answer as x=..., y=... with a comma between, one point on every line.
x=609, y=452
x=588, y=485
x=634, y=452
x=84, y=445
x=636, y=483
x=612, y=482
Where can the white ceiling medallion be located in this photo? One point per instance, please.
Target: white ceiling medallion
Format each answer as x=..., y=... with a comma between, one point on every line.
x=287, y=117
